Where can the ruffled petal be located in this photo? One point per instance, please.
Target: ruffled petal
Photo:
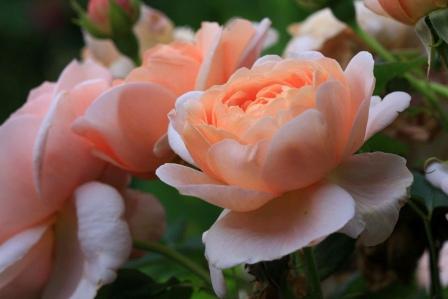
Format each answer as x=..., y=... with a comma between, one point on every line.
x=284, y=225
x=378, y=182
x=195, y=183
x=93, y=241
x=383, y=113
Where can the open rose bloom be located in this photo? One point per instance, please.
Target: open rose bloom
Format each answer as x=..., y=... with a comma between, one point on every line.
x=405, y=11
x=67, y=218
x=275, y=147
x=127, y=124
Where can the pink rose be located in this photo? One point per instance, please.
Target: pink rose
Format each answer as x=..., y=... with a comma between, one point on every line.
x=276, y=148
x=66, y=217
x=405, y=11
x=127, y=124
x=98, y=12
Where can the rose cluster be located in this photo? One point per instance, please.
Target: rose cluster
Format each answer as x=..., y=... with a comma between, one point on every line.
x=273, y=141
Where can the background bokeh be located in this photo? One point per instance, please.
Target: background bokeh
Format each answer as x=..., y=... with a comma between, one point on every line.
x=38, y=37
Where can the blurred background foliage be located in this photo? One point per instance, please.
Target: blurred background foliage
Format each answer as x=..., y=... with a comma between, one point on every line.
x=38, y=37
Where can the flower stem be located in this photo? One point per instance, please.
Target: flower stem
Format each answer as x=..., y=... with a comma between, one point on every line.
x=175, y=256
x=311, y=273
x=436, y=285
x=429, y=90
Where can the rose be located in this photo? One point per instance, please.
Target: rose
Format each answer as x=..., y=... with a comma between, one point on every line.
x=405, y=11
x=98, y=12
x=323, y=32
x=275, y=147
x=66, y=217
x=127, y=124
x=152, y=28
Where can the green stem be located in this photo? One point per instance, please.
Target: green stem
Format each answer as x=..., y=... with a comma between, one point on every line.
x=422, y=86
x=436, y=285
x=175, y=256
x=311, y=273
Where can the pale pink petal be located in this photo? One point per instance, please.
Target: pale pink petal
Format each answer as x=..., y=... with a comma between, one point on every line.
x=218, y=282
x=284, y=225
x=77, y=72
x=145, y=216
x=238, y=164
x=298, y=155
x=93, y=241
x=383, y=113
x=423, y=275
x=178, y=145
x=62, y=160
x=46, y=88
x=125, y=122
x=256, y=44
x=378, y=182
x=25, y=263
x=195, y=183
x=361, y=80
x=376, y=7
x=437, y=174
x=20, y=207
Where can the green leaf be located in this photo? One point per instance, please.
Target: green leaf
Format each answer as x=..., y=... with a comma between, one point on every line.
x=383, y=143
x=427, y=194
x=332, y=253
x=133, y=284
x=344, y=10
x=384, y=72
x=439, y=21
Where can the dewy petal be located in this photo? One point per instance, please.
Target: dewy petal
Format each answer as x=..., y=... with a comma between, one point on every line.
x=282, y=226
x=125, y=123
x=93, y=241
x=298, y=155
x=25, y=263
x=437, y=175
x=378, y=182
x=145, y=216
x=195, y=183
x=383, y=113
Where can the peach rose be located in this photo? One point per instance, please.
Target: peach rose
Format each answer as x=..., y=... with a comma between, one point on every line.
x=405, y=11
x=323, y=32
x=152, y=28
x=66, y=217
x=275, y=147
x=127, y=124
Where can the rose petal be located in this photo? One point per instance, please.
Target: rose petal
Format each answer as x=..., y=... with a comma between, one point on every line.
x=383, y=113
x=93, y=241
x=125, y=123
x=20, y=207
x=145, y=216
x=298, y=155
x=437, y=174
x=62, y=160
x=378, y=182
x=281, y=227
x=218, y=282
x=195, y=183
x=25, y=263
x=238, y=164
x=178, y=145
